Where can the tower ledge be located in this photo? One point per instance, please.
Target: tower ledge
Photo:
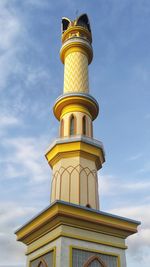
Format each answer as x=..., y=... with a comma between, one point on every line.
x=62, y=213
x=76, y=44
x=76, y=145
x=84, y=100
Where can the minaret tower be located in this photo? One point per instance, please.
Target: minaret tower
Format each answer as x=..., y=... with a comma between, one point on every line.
x=72, y=231
x=76, y=157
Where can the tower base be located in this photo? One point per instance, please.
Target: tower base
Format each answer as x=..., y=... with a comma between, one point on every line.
x=68, y=235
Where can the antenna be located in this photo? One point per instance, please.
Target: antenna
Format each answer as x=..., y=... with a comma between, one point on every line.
x=77, y=13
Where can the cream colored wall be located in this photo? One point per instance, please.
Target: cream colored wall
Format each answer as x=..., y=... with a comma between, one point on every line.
x=76, y=73
x=74, y=161
x=78, y=123
x=75, y=238
x=75, y=180
x=98, y=237
x=46, y=248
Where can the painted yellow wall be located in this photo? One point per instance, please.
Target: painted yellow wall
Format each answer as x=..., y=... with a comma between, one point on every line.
x=76, y=73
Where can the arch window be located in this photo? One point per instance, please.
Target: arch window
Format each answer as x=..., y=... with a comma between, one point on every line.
x=84, y=125
x=91, y=129
x=94, y=261
x=72, y=125
x=42, y=263
x=62, y=128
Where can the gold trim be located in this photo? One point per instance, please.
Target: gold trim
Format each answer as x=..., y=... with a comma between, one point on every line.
x=59, y=150
x=76, y=46
x=96, y=251
x=76, y=29
x=73, y=154
x=34, y=247
x=86, y=103
x=73, y=50
x=74, y=108
x=62, y=128
x=60, y=213
x=70, y=256
x=53, y=249
x=73, y=236
x=91, y=240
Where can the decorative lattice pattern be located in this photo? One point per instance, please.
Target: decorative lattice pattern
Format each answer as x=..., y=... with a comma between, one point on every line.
x=81, y=257
x=76, y=73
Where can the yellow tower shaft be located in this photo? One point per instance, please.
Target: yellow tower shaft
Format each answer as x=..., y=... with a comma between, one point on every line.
x=76, y=73
x=76, y=157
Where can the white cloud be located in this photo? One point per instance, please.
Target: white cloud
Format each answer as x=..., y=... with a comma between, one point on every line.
x=12, y=215
x=10, y=27
x=26, y=159
x=15, y=250
x=36, y=76
x=11, y=32
x=145, y=168
x=106, y=183
x=8, y=120
x=137, y=186
x=135, y=157
x=109, y=183
x=138, y=243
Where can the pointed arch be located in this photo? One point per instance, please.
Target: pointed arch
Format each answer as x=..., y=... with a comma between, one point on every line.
x=72, y=124
x=42, y=263
x=91, y=129
x=83, y=21
x=65, y=24
x=94, y=259
x=62, y=128
x=84, y=125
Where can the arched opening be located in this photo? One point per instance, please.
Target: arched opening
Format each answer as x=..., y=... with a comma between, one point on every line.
x=94, y=261
x=42, y=263
x=72, y=125
x=62, y=128
x=88, y=206
x=91, y=129
x=84, y=125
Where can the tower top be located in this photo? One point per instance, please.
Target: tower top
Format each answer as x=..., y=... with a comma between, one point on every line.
x=80, y=27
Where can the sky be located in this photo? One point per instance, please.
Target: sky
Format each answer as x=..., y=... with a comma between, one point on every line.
x=31, y=78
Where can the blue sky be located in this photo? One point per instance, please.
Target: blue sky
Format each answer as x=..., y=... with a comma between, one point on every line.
x=31, y=78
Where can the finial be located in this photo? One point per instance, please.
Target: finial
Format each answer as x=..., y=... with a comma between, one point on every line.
x=77, y=12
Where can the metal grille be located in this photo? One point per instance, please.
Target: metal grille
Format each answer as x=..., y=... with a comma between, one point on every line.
x=95, y=263
x=46, y=258
x=80, y=257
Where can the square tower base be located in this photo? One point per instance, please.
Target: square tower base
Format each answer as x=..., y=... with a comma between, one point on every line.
x=68, y=235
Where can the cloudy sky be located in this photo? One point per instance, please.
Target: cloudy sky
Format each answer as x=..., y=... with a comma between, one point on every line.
x=31, y=77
